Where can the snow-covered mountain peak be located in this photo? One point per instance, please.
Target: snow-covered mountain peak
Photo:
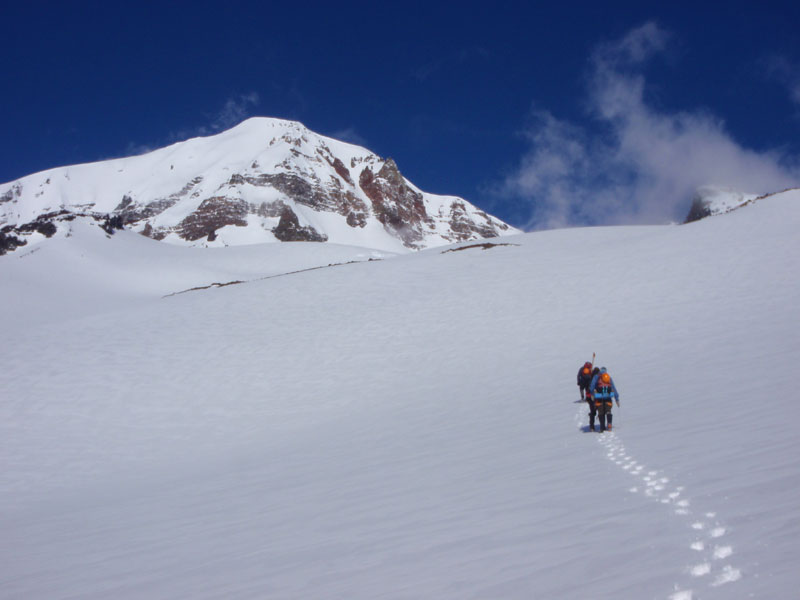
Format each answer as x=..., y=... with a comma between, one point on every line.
x=264, y=180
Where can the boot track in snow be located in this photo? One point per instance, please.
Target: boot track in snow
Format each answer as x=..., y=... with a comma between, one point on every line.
x=705, y=531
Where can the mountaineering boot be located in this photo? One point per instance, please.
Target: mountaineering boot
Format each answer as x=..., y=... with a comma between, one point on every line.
x=609, y=419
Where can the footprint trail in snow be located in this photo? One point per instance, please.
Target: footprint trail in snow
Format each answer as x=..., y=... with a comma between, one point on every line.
x=706, y=532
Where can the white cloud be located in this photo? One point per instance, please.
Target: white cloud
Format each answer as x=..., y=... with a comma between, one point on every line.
x=637, y=165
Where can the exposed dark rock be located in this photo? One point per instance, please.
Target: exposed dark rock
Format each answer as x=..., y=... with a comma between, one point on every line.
x=124, y=203
x=9, y=242
x=294, y=187
x=134, y=214
x=349, y=205
x=206, y=287
x=289, y=229
x=698, y=210
x=357, y=219
x=400, y=209
x=156, y=234
x=46, y=228
x=314, y=196
x=496, y=225
x=212, y=214
x=483, y=246
x=268, y=209
x=187, y=188
x=14, y=192
x=111, y=224
x=464, y=228
x=45, y=224
x=343, y=172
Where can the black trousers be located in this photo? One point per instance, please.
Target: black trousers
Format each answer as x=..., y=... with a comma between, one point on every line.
x=604, y=413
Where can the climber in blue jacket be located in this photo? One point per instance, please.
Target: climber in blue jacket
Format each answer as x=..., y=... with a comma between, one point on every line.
x=603, y=391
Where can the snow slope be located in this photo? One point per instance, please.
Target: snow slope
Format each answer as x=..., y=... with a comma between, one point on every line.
x=406, y=428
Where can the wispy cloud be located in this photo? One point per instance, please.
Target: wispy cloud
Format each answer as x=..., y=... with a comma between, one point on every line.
x=633, y=164
x=235, y=109
x=135, y=149
x=786, y=73
x=349, y=135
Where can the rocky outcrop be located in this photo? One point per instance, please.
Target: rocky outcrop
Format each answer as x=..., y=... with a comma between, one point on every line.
x=306, y=191
x=213, y=214
x=9, y=242
x=399, y=208
x=700, y=209
x=290, y=230
x=133, y=213
x=12, y=194
x=112, y=223
x=465, y=228
x=45, y=224
x=341, y=170
x=13, y=237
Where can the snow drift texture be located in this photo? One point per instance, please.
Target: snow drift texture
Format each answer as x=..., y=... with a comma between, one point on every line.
x=265, y=180
x=405, y=427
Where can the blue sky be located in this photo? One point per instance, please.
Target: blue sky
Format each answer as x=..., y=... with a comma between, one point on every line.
x=543, y=114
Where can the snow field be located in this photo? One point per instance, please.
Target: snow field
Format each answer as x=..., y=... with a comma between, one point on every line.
x=401, y=429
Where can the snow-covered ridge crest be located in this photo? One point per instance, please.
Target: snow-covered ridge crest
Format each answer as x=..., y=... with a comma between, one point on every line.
x=265, y=180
